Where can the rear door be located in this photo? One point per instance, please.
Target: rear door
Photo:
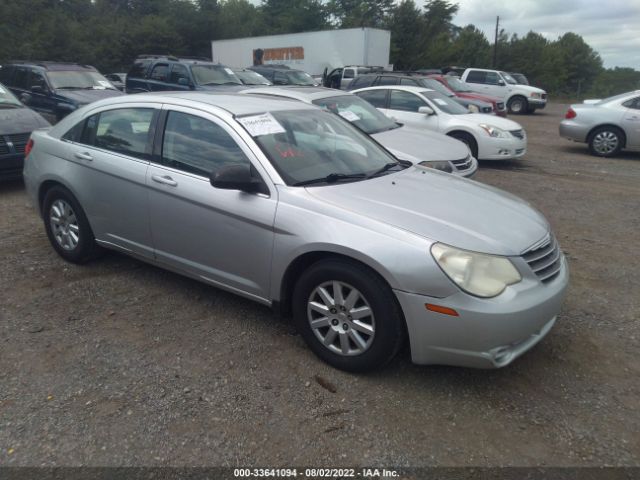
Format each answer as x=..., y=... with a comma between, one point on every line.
x=631, y=122
x=179, y=77
x=224, y=237
x=41, y=95
x=113, y=151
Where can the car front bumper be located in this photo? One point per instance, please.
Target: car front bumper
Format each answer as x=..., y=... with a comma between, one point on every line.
x=537, y=103
x=492, y=148
x=573, y=131
x=488, y=333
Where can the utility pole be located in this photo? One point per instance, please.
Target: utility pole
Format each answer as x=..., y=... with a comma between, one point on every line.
x=495, y=45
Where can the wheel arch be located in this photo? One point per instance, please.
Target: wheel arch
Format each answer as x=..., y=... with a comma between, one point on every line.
x=610, y=125
x=47, y=185
x=460, y=131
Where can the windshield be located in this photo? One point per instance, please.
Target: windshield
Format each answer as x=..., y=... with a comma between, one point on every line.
x=7, y=98
x=300, y=78
x=622, y=96
x=214, y=75
x=359, y=112
x=251, y=78
x=79, y=79
x=520, y=78
x=509, y=79
x=307, y=145
x=457, y=85
x=445, y=104
x=434, y=84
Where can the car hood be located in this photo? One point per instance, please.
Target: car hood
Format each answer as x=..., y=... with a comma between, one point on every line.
x=84, y=97
x=477, y=96
x=527, y=88
x=478, y=118
x=20, y=120
x=422, y=145
x=224, y=88
x=443, y=208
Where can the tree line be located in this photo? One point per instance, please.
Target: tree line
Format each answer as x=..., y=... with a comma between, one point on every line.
x=109, y=34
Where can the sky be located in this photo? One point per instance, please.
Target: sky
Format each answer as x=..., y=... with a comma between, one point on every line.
x=611, y=27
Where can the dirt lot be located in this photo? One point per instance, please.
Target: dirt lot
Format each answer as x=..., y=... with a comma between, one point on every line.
x=120, y=363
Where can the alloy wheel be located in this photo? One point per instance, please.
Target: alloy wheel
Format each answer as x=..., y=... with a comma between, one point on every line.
x=64, y=224
x=605, y=142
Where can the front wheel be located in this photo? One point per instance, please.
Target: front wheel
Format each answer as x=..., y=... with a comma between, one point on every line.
x=348, y=315
x=468, y=140
x=67, y=226
x=517, y=105
x=605, y=141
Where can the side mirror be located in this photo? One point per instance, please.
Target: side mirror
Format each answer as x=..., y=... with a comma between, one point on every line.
x=426, y=110
x=37, y=89
x=501, y=83
x=236, y=177
x=183, y=81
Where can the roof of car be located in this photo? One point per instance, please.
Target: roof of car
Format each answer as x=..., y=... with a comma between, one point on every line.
x=406, y=88
x=53, y=66
x=298, y=92
x=234, y=103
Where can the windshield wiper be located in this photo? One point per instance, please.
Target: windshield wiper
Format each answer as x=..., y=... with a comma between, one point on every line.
x=10, y=105
x=385, y=168
x=331, y=178
x=223, y=83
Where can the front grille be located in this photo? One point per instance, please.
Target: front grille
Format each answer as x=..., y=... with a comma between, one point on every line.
x=517, y=133
x=463, y=164
x=545, y=259
x=4, y=149
x=19, y=141
x=500, y=105
x=487, y=109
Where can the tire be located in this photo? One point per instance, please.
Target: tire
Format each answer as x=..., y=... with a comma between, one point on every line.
x=352, y=344
x=517, y=105
x=606, y=141
x=67, y=226
x=468, y=140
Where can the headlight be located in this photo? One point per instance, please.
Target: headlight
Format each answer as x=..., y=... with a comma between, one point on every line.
x=473, y=108
x=476, y=273
x=494, y=131
x=535, y=95
x=443, y=166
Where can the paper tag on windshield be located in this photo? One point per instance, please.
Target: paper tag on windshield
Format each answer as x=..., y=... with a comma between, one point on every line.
x=229, y=71
x=263, y=124
x=349, y=115
x=439, y=101
x=104, y=83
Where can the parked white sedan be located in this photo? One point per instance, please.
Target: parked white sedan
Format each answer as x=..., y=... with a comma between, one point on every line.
x=488, y=137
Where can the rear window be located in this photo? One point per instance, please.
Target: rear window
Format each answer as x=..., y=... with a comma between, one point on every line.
x=139, y=68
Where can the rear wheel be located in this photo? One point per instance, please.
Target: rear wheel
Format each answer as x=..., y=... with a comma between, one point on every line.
x=348, y=315
x=67, y=226
x=468, y=140
x=606, y=141
x=517, y=105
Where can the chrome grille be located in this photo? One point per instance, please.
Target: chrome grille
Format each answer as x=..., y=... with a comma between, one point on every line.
x=517, y=133
x=545, y=259
x=463, y=164
x=19, y=141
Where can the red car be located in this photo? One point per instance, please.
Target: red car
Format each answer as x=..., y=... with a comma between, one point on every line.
x=461, y=90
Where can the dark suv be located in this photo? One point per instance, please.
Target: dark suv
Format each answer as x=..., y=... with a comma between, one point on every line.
x=155, y=73
x=283, y=75
x=55, y=89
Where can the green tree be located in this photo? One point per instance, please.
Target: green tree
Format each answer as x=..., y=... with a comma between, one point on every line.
x=359, y=13
x=406, y=25
x=290, y=16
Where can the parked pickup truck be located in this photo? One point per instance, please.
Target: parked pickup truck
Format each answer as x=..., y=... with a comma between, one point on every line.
x=519, y=98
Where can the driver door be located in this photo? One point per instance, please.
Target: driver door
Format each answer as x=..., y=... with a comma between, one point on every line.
x=224, y=237
x=631, y=122
x=404, y=106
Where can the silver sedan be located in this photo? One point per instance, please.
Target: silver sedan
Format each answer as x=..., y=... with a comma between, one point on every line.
x=607, y=126
x=288, y=205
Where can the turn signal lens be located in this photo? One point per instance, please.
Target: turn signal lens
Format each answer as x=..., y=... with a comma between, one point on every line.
x=28, y=147
x=571, y=113
x=440, y=309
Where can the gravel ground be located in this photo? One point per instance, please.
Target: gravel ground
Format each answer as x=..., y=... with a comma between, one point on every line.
x=121, y=363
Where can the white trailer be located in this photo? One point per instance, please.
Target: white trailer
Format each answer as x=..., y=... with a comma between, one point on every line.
x=310, y=51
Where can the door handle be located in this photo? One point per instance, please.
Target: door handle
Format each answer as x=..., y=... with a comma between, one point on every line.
x=83, y=156
x=165, y=180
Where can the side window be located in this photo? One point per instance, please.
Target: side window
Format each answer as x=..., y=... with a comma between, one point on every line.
x=409, y=81
x=377, y=98
x=21, y=79
x=195, y=145
x=387, y=80
x=476, y=76
x=177, y=72
x=75, y=133
x=633, y=103
x=6, y=74
x=37, y=80
x=160, y=72
x=348, y=73
x=492, y=78
x=125, y=130
x=280, y=78
x=405, y=101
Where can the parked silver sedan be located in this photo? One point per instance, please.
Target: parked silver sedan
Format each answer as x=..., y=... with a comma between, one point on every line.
x=428, y=149
x=288, y=205
x=607, y=126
